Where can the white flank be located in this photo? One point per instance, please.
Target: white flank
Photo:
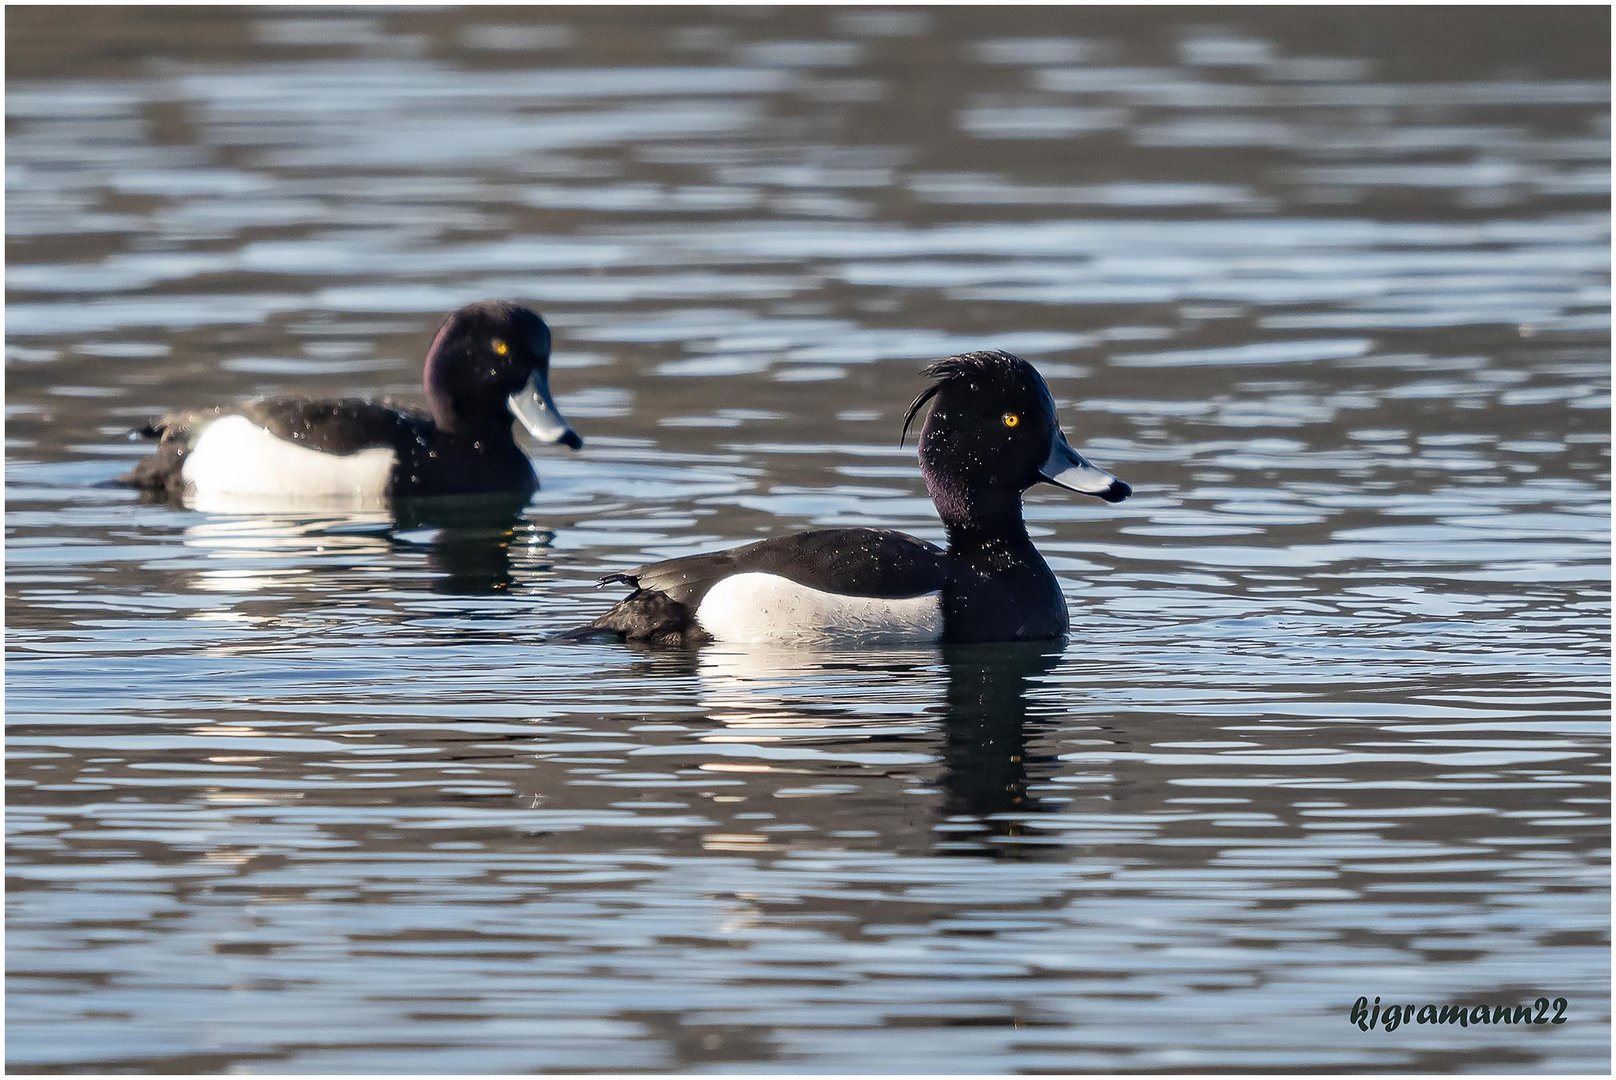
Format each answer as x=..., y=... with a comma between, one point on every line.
x=759, y=608
x=234, y=456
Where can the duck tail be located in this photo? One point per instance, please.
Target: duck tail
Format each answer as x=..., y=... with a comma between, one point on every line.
x=645, y=615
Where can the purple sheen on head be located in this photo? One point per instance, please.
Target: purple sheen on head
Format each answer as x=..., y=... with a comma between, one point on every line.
x=953, y=503
x=433, y=375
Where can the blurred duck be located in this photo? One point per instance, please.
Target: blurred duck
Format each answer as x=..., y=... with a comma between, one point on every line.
x=488, y=365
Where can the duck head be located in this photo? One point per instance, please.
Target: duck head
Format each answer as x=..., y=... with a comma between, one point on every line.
x=490, y=364
x=993, y=433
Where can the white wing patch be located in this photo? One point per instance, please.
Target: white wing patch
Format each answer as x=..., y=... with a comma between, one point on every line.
x=758, y=608
x=234, y=456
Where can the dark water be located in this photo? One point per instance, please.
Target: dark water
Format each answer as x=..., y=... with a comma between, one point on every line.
x=305, y=792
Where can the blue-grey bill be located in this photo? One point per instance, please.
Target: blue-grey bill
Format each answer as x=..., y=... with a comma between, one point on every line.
x=536, y=409
x=1068, y=469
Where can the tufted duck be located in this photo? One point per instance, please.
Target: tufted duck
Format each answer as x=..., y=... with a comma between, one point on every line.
x=991, y=435
x=488, y=365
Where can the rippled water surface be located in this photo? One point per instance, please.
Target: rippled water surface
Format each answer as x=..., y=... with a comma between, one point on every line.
x=308, y=792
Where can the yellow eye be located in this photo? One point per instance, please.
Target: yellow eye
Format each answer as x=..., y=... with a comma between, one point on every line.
x=1011, y=419
x=500, y=348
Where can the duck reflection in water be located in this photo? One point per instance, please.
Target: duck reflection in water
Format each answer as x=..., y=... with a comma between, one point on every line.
x=473, y=541
x=761, y=701
x=991, y=724
x=470, y=545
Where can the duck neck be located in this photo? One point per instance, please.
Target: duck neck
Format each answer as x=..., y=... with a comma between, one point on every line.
x=454, y=420
x=975, y=519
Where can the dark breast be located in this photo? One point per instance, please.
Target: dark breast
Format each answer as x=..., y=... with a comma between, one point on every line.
x=1003, y=591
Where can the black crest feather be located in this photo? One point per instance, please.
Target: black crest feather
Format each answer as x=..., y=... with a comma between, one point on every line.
x=983, y=363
